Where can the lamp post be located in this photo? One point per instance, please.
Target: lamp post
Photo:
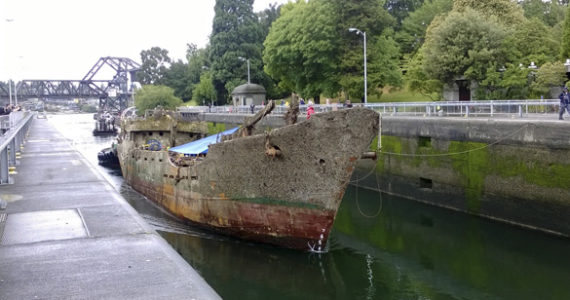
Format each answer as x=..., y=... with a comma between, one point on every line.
x=363, y=33
x=10, y=80
x=248, y=77
x=10, y=90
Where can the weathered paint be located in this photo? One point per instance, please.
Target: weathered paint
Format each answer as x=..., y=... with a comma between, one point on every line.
x=237, y=189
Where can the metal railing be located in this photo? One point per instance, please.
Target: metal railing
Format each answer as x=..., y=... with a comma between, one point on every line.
x=486, y=108
x=11, y=141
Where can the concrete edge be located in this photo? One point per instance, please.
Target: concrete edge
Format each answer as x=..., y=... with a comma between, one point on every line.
x=181, y=263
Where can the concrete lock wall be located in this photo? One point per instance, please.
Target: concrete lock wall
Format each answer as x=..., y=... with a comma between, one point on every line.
x=516, y=171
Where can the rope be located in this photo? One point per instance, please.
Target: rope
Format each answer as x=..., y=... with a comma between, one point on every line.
x=365, y=176
x=380, y=207
x=457, y=153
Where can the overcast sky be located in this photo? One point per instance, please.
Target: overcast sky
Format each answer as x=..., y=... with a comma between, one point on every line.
x=62, y=39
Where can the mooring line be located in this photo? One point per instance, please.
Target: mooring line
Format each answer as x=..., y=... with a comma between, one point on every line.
x=457, y=153
x=380, y=207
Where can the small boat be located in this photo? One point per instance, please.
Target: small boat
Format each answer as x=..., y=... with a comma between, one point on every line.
x=281, y=187
x=104, y=124
x=108, y=157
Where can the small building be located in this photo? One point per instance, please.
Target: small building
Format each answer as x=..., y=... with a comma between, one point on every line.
x=460, y=90
x=247, y=94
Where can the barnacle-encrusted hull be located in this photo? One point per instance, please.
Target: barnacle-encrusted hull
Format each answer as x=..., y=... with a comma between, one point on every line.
x=283, y=187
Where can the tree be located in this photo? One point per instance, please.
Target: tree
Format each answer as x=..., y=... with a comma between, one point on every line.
x=464, y=44
x=412, y=35
x=565, y=47
x=177, y=77
x=418, y=80
x=310, y=50
x=301, y=49
x=515, y=82
x=534, y=42
x=550, y=13
x=197, y=63
x=507, y=12
x=549, y=75
x=236, y=33
x=268, y=16
x=151, y=96
x=154, y=64
x=400, y=9
x=368, y=16
x=204, y=92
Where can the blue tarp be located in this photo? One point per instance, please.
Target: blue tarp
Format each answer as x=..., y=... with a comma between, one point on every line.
x=201, y=146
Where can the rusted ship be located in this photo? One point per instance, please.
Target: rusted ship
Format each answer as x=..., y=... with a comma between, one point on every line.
x=282, y=187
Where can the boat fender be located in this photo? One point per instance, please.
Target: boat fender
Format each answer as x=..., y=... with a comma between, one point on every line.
x=369, y=155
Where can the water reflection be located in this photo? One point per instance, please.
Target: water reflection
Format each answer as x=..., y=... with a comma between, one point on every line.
x=380, y=248
x=464, y=257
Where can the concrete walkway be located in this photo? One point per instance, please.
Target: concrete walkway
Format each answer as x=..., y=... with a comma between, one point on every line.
x=69, y=235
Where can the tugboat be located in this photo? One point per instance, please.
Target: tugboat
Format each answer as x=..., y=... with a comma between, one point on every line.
x=108, y=157
x=104, y=124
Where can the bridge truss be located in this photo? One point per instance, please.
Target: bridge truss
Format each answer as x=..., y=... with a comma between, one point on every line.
x=113, y=94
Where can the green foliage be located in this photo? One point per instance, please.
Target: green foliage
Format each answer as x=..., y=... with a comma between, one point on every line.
x=549, y=75
x=507, y=12
x=401, y=95
x=533, y=42
x=565, y=45
x=151, y=96
x=236, y=33
x=418, y=81
x=382, y=52
x=268, y=16
x=515, y=82
x=154, y=65
x=548, y=12
x=204, y=92
x=464, y=44
x=301, y=49
x=400, y=9
x=177, y=77
x=309, y=49
x=383, y=67
x=412, y=35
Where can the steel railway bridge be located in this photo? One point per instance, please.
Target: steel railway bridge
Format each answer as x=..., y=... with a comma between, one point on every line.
x=113, y=94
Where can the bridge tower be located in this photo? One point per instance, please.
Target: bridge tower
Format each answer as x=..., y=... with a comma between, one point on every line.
x=113, y=94
x=120, y=89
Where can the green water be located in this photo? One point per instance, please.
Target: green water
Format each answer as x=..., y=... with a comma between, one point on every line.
x=408, y=251
x=381, y=247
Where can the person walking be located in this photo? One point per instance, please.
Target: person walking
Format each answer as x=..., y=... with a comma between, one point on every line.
x=310, y=110
x=564, y=102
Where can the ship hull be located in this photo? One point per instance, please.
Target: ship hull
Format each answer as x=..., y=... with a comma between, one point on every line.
x=244, y=189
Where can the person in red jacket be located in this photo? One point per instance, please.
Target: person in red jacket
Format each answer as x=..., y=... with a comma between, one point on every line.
x=310, y=110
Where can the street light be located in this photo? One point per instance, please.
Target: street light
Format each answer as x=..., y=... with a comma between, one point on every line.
x=243, y=59
x=10, y=80
x=363, y=33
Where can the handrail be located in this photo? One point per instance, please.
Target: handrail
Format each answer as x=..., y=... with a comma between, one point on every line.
x=11, y=142
x=438, y=108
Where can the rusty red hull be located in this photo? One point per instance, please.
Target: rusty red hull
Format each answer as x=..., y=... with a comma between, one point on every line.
x=240, y=190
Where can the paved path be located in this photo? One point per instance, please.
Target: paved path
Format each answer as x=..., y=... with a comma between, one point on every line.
x=69, y=235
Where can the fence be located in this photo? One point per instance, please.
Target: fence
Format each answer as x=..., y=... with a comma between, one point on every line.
x=11, y=140
x=488, y=108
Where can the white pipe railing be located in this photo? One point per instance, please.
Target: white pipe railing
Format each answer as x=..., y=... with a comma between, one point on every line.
x=11, y=141
x=488, y=108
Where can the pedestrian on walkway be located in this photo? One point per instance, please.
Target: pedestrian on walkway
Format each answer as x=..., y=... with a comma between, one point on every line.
x=564, y=103
x=310, y=110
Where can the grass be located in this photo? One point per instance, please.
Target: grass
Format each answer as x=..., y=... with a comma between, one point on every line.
x=390, y=94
